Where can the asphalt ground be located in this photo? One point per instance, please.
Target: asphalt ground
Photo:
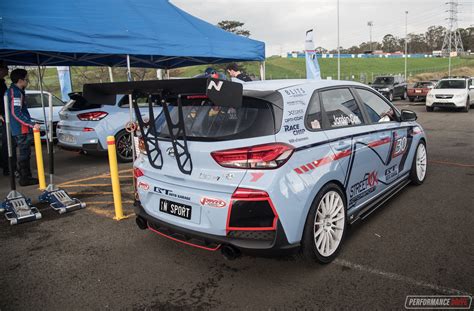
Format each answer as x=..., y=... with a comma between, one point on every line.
x=419, y=243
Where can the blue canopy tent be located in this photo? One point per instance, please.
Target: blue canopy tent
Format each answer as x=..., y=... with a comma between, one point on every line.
x=154, y=33
x=114, y=33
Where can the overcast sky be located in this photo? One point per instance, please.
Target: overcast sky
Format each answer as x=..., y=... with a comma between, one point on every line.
x=282, y=24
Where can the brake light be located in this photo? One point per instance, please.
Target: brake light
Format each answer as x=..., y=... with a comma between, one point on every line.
x=137, y=172
x=268, y=156
x=244, y=193
x=88, y=129
x=92, y=116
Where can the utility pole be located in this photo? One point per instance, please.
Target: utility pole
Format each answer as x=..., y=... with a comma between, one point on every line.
x=406, y=43
x=370, y=24
x=338, y=46
x=452, y=40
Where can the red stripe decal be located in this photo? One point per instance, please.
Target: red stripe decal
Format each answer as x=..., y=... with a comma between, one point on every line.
x=304, y=168
x=298, y=171
x=184, y=242
x=311, y=167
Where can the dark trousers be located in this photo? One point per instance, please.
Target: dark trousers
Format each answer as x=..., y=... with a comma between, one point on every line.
x=4, y=149
x=23, y=143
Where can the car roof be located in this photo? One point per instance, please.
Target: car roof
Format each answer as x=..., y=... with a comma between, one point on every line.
x=275, y=85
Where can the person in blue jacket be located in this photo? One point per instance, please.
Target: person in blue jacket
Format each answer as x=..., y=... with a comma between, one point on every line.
x=21, y=124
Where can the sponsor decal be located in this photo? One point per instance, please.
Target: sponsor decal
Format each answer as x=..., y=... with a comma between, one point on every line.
x=293, y=119
x=363, y=187
x=143, y=185
x=316, y=163
x=206, y=176
x=256, y=176
x=400, y=146
x=295, y=92
x=295, y=112
x=438, y=302
x=295, y=102
x=297, y=140
x=391, y=173
x=295, y=129
x=345, y=120
x=211, y=202
x=170, y=193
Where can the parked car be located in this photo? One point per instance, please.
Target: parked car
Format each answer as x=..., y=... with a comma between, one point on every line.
x=33, y=101
x=455, y=93
x=420, y=90
x=391, y=87
x=287, y=169
x=84, y=126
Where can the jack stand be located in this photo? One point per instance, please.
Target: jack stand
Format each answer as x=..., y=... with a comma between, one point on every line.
x=18, y=209
x=59, y=200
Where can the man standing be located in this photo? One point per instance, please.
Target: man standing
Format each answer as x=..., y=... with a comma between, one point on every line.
x=4, y=149
x=234, y=72
x=21, y=124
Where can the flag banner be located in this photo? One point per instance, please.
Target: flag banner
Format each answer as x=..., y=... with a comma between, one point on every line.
x=64, y=82
x=312, y=66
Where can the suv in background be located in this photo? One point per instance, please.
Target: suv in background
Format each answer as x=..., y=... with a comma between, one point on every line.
x=451, y=93
x=391, y=86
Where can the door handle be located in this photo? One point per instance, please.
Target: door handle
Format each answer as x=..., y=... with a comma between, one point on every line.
x=342, y=147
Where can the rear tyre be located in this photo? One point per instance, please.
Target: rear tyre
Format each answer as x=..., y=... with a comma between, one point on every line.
x=325, y=225
x=123, y=145
x=419, y=165
x=429, y=109
x=411, y=99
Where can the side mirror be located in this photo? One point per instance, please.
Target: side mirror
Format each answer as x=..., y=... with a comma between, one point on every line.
x=408, y=115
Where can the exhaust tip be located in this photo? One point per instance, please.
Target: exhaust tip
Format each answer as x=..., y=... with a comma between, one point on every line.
x=141, y=223
x=230, y=252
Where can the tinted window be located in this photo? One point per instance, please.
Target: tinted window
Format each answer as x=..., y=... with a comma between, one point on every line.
x=384, y=80
x=451, y=84
x=207, y=121
x=313, y=116
x=34, y=100
x=141, y=101
x=377, y=109
x=423, y=84
x=341, y=108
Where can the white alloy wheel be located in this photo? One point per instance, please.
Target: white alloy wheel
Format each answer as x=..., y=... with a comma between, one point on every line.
x=329, y=223
x=421, y=162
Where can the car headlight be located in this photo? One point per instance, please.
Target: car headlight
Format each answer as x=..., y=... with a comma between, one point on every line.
x=386, y=89
x=459, y=96
x=430, y=95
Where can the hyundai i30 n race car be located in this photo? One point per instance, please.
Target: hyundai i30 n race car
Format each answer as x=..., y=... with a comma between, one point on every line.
x=271, y=166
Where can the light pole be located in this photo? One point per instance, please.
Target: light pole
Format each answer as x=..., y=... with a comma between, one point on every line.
x=338, y=46
x=406, y=42
x=370, y=24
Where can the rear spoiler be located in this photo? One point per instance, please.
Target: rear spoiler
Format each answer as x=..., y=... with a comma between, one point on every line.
x=220, y=92
x=223, y=93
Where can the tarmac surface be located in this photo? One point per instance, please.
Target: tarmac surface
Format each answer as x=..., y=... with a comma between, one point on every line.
x=421, y=242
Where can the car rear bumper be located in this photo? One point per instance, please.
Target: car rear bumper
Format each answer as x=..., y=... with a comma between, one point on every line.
x=255, y=243
x=95, y=148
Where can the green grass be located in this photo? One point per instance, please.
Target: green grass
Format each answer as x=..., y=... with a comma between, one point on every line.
x=358, y=69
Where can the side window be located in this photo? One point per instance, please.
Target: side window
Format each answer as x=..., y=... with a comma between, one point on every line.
x=377, y=109
x=313, y=118
x=341, y=108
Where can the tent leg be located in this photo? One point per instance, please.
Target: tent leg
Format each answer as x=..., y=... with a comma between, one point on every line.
x=262, y=71
x=40, y=80
x=111, y=74
x=129, y=77
x=11, y=164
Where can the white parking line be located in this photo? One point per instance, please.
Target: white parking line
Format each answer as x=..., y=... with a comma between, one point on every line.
x=400, y=278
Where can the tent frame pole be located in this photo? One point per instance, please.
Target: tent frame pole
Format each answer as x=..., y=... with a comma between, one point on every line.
x=132, y=135
x=11, y=164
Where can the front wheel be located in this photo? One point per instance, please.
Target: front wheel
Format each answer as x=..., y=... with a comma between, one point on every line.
x=123, y=145
x=468, y=105
x=404, y=96
x=429, y=109
x=325, y=225
x=419, y=165
x=412, y=99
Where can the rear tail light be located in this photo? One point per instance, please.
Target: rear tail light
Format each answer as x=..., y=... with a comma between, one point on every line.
x=266, y=156
x=251, y=210
x=92, y=116
x=137, y=172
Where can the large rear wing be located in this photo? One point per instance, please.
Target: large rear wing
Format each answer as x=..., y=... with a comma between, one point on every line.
x=222, y=93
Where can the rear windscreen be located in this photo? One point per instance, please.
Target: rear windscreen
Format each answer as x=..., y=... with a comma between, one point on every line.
x=207, y=121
